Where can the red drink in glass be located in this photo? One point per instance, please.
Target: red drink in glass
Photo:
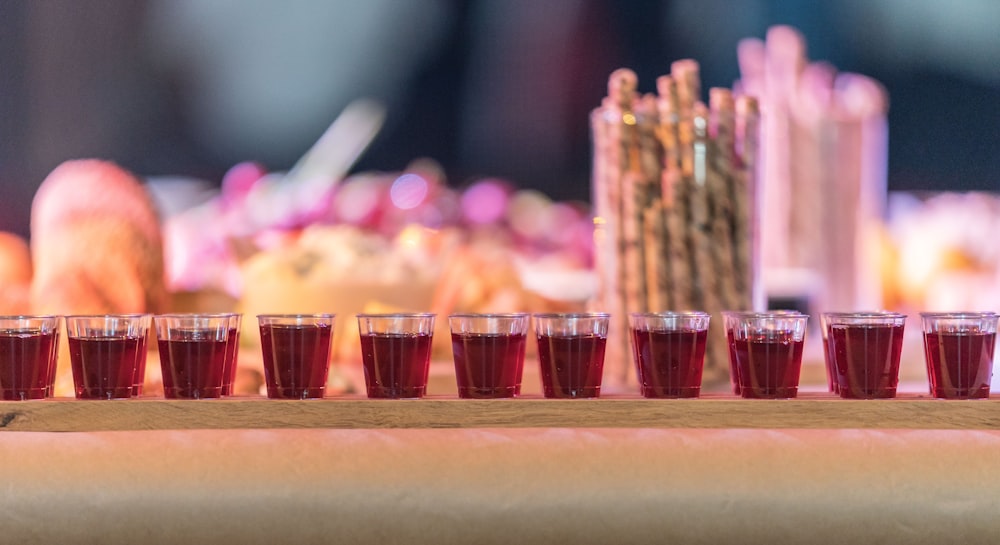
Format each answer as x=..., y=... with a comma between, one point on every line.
x=106, y=353
x=958, y=349
x=25, y=363
x=959, y=364
x=192, y=362
x=488, y=365
x=768, y=366
x=866, y=359
x=104, y=367
x=296, y=358
x=765, y=351
x=572, y=366
x=396, y=364
x=670, y=363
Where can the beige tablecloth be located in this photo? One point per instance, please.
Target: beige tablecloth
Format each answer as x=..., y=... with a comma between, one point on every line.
x=501, y=486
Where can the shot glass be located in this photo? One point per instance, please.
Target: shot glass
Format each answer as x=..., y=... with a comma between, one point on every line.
x=192, y=354
x=396, y=353
x=489, y=353
x=766, y=352
x=571, y=353
x=104, y=352
x=669, y=352
x=27, y=348
x=958, y=348
x=865, y=348
x=296, y=350
x=733, y=371
x=232, y=354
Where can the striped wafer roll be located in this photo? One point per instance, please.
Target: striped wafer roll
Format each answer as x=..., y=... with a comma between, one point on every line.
x=674, y=196
x=744, y=197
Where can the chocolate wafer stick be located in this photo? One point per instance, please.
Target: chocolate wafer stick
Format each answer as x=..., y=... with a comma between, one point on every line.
x=650, y=208
x=674, y=198
x=685, y=75
x=744, y=191
x=718, y=176
x=702, y=246
x=623, y=157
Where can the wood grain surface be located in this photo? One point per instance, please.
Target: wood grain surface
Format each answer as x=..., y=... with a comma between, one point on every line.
x=808, y=411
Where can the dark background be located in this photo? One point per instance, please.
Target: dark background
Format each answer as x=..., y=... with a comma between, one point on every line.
x=487, y=88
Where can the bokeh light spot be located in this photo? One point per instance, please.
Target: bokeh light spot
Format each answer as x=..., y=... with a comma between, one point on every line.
x=408, y=191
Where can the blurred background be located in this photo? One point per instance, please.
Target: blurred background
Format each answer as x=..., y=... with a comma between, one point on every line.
x=486, y=88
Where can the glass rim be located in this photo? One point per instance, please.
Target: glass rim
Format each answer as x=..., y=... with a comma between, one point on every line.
x=489, y=315
x=196, y=314
x=571, y=315
x=123, y=315
x=864, y=314
x=765, y=314
x=395, y=314
x=672, y=314
x=320, y=315
x=30, y=316
x=959, y=314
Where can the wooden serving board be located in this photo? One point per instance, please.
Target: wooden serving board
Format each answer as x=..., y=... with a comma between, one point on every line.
x=809, y=410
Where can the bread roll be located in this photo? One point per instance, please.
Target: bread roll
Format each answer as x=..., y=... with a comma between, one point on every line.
x=95, y=242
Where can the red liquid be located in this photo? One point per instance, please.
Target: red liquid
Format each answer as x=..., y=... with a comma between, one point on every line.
x=866, y=359
x=670, y=363
x=25, y=364
x=229, y=369
x=192, y=362
x=960, y=365
x=140, y=368
x=396, y=365
x=104, y=367
x=488, y=365
x=572, y=366
x=768, y=366
x=296, y=359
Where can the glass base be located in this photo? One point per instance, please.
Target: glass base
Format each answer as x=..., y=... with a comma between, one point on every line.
x=104, y=393
x=489, y=393
x=652, y=392
x=573, y=393
x=22, y=394
x=192, y=393
x=961, y=393
x=788, y=392
x=273, y=392
x=861, y=393
x=415, y=392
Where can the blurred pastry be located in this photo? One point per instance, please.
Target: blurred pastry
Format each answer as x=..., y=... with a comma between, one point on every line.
x=15, y=274
x=95, y=242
